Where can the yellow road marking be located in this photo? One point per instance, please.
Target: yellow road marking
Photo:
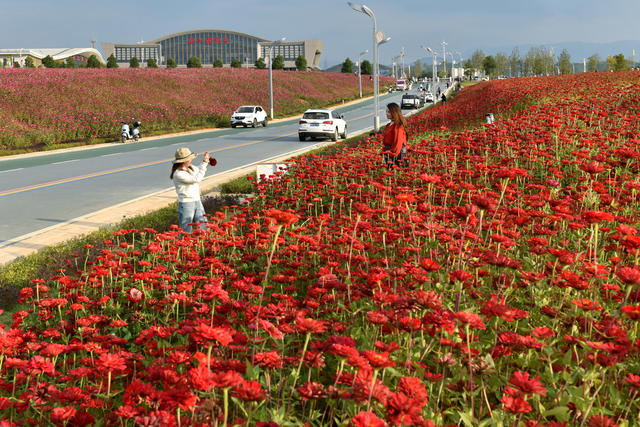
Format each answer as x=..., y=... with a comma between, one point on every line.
x=126, y=168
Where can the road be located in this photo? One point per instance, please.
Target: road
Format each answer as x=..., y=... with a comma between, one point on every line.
x=37, y=192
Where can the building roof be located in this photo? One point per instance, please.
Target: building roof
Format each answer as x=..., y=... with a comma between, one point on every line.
x=56, y=53
x=207, y=30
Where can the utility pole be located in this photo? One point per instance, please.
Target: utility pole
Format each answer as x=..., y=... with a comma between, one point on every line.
x=584, y=65
x=402, y=55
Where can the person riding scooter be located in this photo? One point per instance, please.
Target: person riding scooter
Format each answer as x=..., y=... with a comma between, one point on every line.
x=126, y=133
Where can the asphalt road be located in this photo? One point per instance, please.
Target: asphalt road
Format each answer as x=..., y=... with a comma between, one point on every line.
x=40, y=191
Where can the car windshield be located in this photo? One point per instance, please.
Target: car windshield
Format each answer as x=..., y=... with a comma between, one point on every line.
x=245, y=110
x=315, y=115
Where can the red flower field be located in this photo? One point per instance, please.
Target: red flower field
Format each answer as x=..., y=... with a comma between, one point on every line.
x=493, y=282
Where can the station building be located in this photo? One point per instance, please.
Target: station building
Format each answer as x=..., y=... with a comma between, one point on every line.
x=211, y=45
x=79, y=54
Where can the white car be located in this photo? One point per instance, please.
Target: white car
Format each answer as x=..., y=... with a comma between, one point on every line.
x=322, y=123
x=249, y=115
x=428, y=97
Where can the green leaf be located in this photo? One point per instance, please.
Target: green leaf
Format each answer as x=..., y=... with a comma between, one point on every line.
x=466, y=418
x=560, y=413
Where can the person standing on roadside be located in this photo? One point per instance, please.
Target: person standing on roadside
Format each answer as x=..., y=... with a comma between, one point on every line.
x=394, y=140
x=186, y=178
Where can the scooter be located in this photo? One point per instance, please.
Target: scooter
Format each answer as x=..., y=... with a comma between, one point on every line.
x=126, y=132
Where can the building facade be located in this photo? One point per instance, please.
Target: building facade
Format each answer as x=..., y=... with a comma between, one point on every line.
x=212, y=45
x=9, y=57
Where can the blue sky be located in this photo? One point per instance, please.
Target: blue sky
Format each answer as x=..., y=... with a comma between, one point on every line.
x=464, y=24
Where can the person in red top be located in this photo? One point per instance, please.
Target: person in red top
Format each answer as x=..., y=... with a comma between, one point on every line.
x=394, y=140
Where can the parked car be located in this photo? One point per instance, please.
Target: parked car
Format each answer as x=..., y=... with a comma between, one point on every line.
x=249, y=115
x=428, y=97
x=411, y=101
x=322, y=123
x=401, y=84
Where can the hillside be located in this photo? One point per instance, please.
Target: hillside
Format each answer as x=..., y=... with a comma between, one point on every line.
x=49, y=106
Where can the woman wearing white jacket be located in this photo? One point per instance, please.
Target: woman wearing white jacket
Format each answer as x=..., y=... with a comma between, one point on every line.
x=186, y=178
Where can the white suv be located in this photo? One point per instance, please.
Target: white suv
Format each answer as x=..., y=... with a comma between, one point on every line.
x=249, y=115
x=320, y=123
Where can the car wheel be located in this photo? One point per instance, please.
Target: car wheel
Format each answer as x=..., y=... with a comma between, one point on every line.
x=301, y=137
x=344, y=132
x=334, y=137
x=265, y=122
x=244, y=126
x=254, y=124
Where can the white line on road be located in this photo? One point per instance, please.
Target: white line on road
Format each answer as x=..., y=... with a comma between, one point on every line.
x=12, y=170
x=150, y=148
x=112, y=154
x=66, y=161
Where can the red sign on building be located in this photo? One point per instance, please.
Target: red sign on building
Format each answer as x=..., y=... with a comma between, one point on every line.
x=191, y=40
x=225, y=40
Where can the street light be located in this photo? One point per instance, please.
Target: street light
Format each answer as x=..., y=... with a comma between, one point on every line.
x=434, y=68
x=377, y=38
x=360, y=70
x=444, y=59
x=271, y=45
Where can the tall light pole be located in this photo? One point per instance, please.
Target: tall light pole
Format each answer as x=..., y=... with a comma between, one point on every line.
x=360, y=70
x=377, y=38
x=402, y=56
x=271, y=45
x=453, y=61
x=434, y=74
x=444, y=58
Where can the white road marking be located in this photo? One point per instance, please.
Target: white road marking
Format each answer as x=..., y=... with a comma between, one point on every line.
x=12, y=170
x=66, y=161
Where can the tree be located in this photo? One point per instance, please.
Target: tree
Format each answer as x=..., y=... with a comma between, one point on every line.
x=301, y=63
x=418, y=69
x=489, y=65
x=16, y=64
x=610, y=63
x=619, y=63
x=476, y=60
x=515, y=63
x=592, y=62
x=134, y=63
x=468, y=68
x=235, y=63
x=28, y=62
x=260, y=64
x=194, y=62
x=151, y=63
x=70, y=62
x=501, y=64
x=93, y=62
x=278, y=63
x=112, y=62
x=49, y=62
x=564, y=62
x=366, y=67
x=347, y=66
x=171, y=63
x=217, y=63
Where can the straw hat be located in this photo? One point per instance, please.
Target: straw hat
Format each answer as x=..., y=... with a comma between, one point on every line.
x=184, y=155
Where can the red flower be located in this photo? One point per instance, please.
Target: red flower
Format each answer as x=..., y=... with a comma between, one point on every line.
x=414, y=389
x=601, y=421
x=527, y=385
x=306, y=324
x=628, y=275
x=378, y=360
x=311, y=390
x=227, y=379
x=367, y=419
x=592, y=167
x=201, y=377
x=429, y=264
x=515, y=404
x=61, y=414
x=633, y=311
x=282, y=217
x=472, y=319
x=249, y=391
x=111, y=362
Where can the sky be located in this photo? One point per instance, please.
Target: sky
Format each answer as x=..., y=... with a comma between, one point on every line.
x=465, y=25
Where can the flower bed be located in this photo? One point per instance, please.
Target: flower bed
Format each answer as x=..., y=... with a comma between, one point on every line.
x=48, y=106
x=493, y=282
